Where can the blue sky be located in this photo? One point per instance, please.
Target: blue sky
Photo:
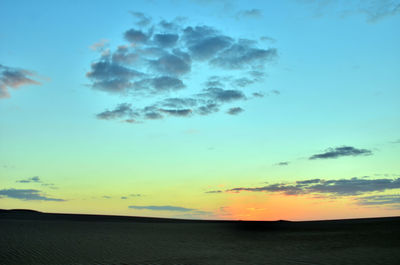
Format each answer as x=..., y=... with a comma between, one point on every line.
x=264, y=83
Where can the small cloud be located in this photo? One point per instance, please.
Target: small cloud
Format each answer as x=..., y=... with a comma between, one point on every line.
x=235, y=111
x=106, y=197
x=162, y=208
x=214, y=191
x=136, y=195
x=26, y=195
x=269, y=39
x=258, y=95
x=99, y=46
x=250, y=13
x=341, y=151
x=285, y=163
x=30, y=180
x=13, y=78
x=141, y=19
x=124, y=198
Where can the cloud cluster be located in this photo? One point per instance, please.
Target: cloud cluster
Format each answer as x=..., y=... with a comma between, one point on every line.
x=341, y=151
x=13, y=78
x=340, y=187
x=26, y=195
x=37, y=179
x=159, y=67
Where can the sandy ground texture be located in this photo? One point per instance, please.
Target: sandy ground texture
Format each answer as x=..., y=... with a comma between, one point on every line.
x=68, y=239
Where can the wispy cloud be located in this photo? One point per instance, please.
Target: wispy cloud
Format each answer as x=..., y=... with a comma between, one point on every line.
x=284, y=163
x=13, y=78
x=341, y=151
x=379, y=200
x=249, y=13
x=162, y=208
x=339, y=187
x=27, y=195
x=29, y=180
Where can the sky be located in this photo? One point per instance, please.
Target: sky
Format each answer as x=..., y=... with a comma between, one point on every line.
x=238, y=110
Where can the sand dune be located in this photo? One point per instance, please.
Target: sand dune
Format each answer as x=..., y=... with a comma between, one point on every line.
x=38, y=238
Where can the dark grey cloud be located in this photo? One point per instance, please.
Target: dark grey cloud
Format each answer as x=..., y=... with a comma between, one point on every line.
x=209, y=47
x=235, y=111
x=160, y=58
x=124, y=198
x=340, y=187
x=223, y=95
x=136, y=36
x=13, y=78
x=177, y=112
x=29, y=180
x=106, y=197
x=162, y=208
x=26, y=195
x=341, y=151
x=250, y=13
x=208, y=109
x=214, y=191
x=166, y=40
x=258, y=95
x=122, y=110
x=284, y=163
x=379, y=200
x=171, y=64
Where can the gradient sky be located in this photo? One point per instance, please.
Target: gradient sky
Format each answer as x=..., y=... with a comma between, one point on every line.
x=251, y=110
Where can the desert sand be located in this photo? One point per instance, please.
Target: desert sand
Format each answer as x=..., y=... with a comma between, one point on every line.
x=28, y=237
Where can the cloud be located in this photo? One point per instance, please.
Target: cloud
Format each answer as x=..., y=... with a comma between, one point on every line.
x=177, y=112
x=26, y=195
x=162, y=208
x=222, y=95
x=379, y=200
x=136, y=36
x=29, y=180
x=250, y=13
x=107, y=197
x=340, y=187
x=13, y=78
x=161, y=58
x=166, y=40
x=235, y=111
x=243, y=55
x=121, y=110
x=285, y=163
x=141, y=19
x=373, y=10
x=214, y=191
x=341, y=151
x=124, y=198
x=99, y=46
x=136, y=195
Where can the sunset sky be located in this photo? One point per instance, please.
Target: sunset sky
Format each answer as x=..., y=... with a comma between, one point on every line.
x=250, y=110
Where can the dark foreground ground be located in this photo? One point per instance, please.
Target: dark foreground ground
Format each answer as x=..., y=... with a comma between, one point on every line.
x=28, y=237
